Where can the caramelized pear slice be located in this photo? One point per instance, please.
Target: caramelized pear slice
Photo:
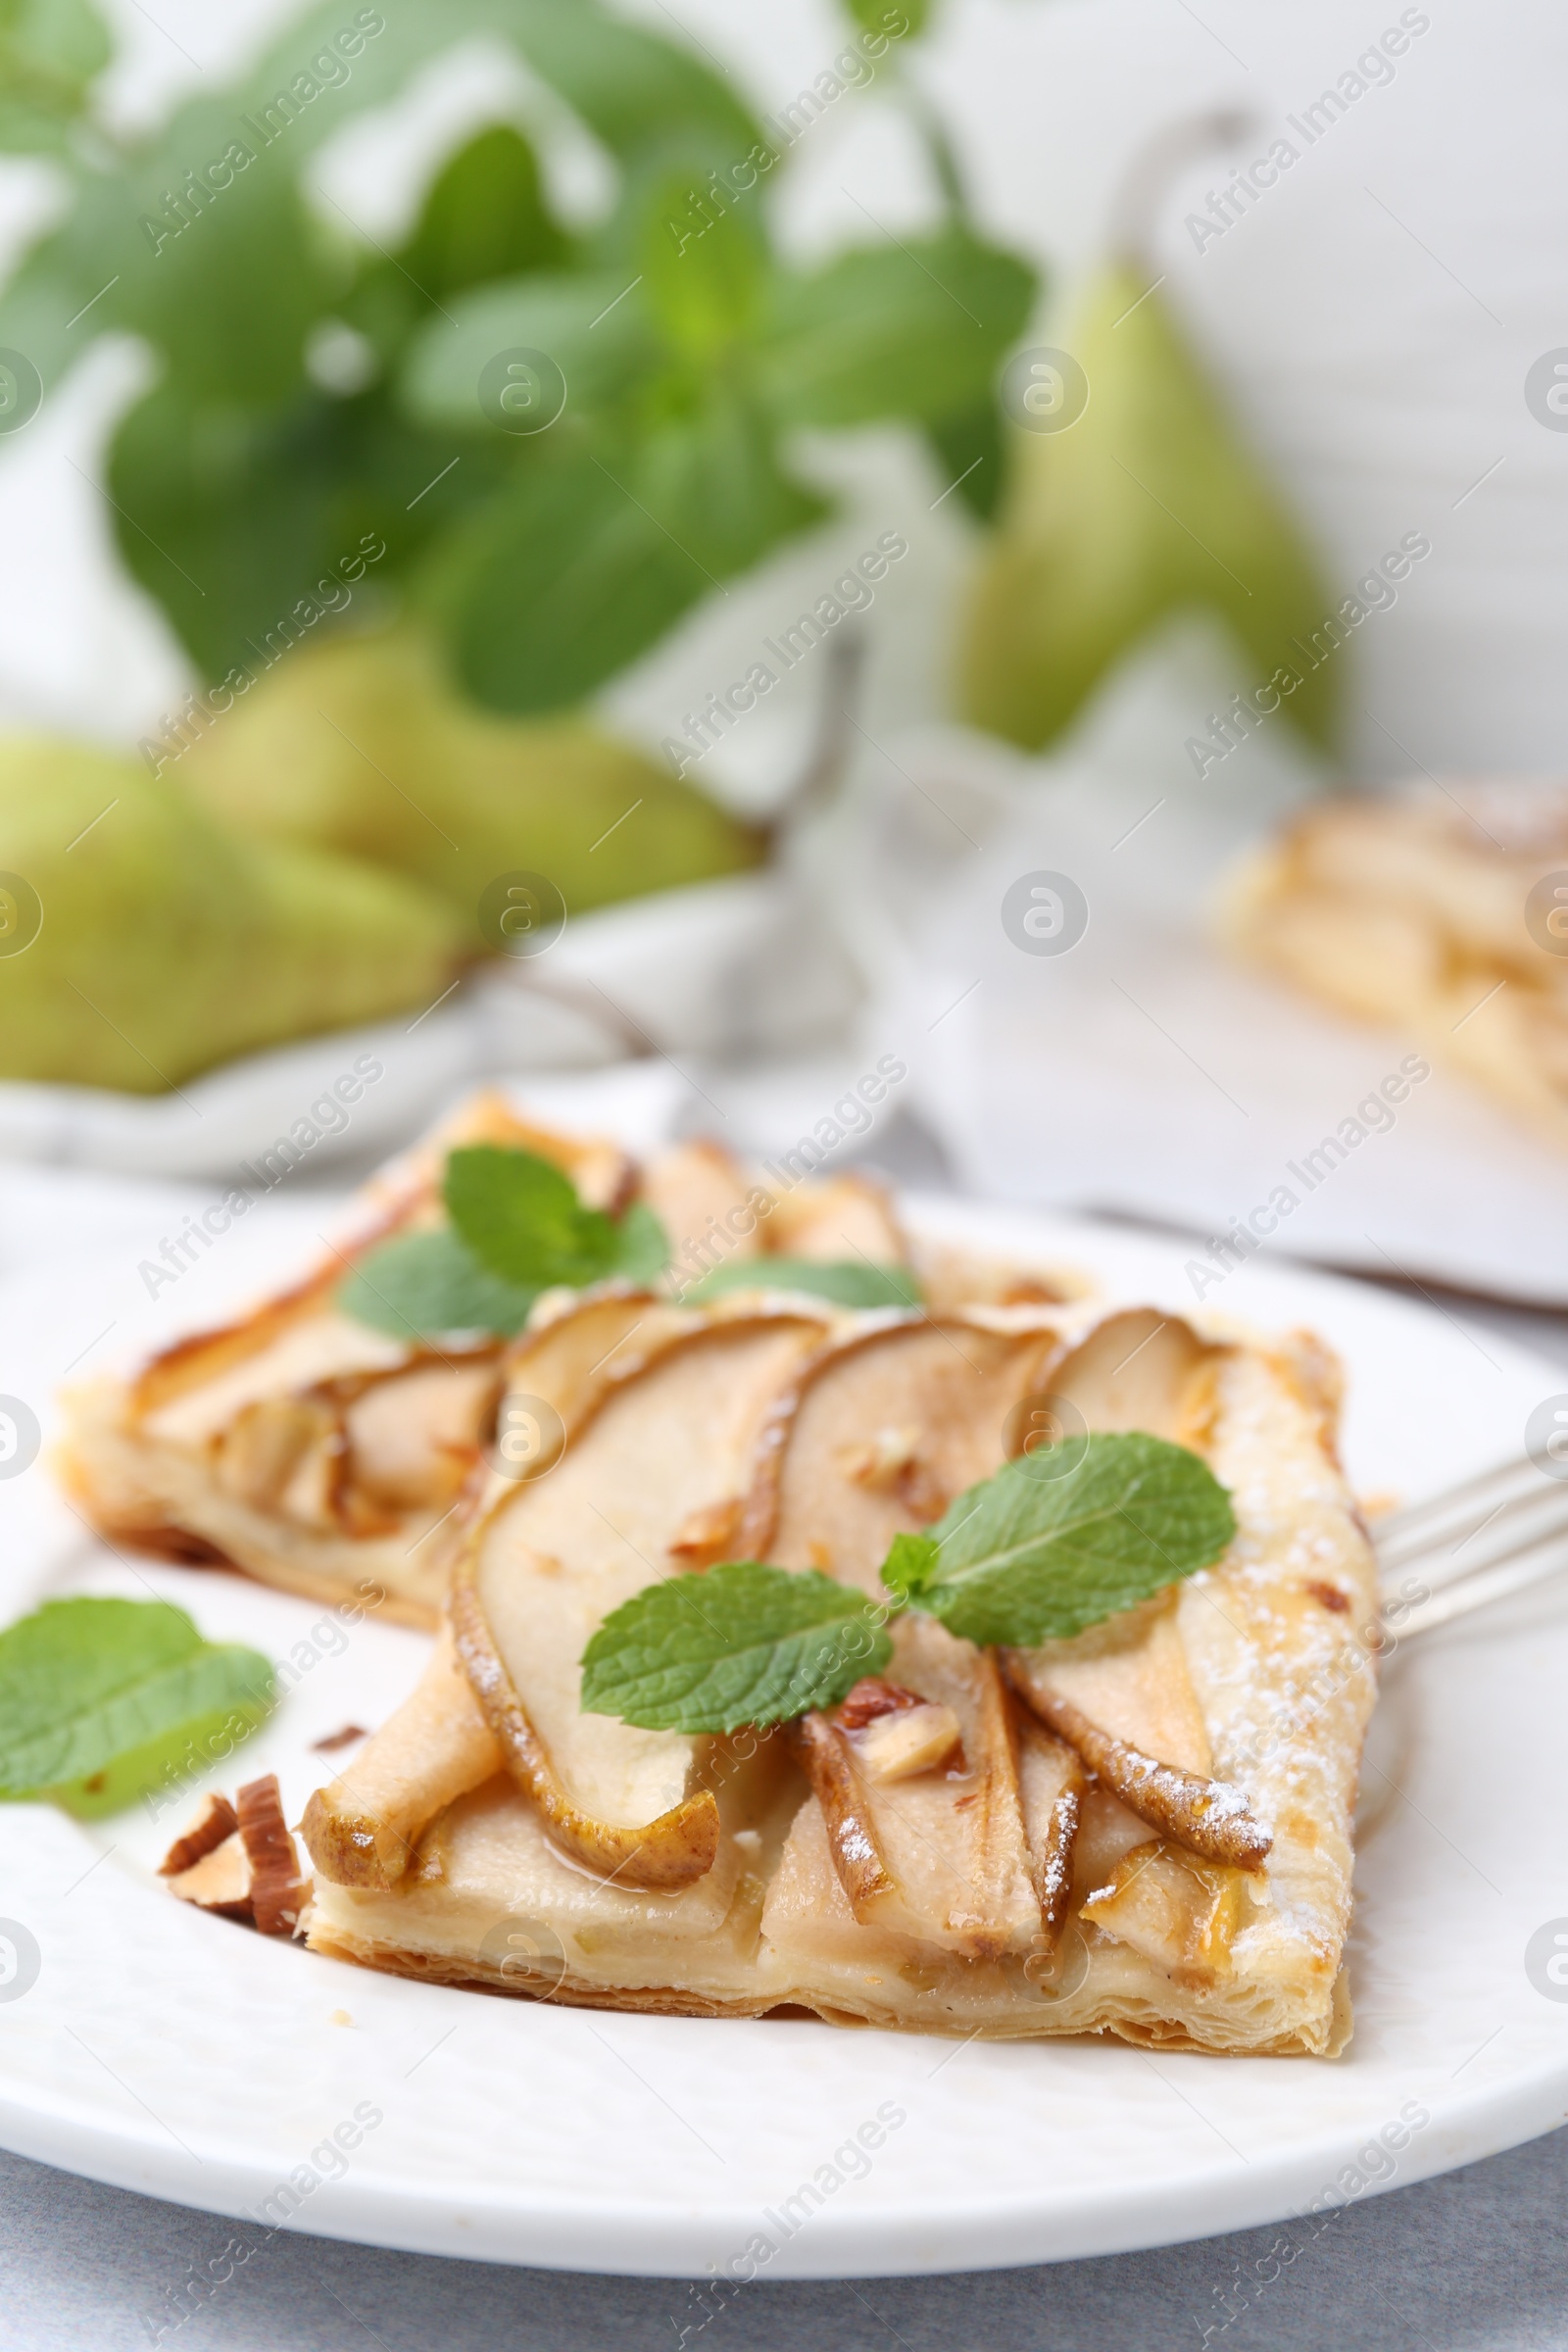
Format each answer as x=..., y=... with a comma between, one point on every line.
x=660, y=1450
x=837, y=1218
x=706, y=1205
x=1208, y=1817
x=823, y=1754
x=882, y=1432
x=1051, y=1784
x=940, y=1855
x=1141, y=1369
x=674, y=1850
x=1180, y=1913
x=363, y=1827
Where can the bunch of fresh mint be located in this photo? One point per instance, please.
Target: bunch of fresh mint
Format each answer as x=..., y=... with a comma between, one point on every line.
x=316, y=392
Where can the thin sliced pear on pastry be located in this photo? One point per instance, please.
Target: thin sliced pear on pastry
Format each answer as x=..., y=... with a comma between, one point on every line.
x=363, y=1827
x=1182, y=1914
x=1211, y=1818
x=557, y=1552
x=1139, y=1369
x=1051, y=1787
x=1128, y=1676
x=885, y=1430
x=707, y=1203
x=1120, y=1693
x=836, y=1219
x=942, y=1855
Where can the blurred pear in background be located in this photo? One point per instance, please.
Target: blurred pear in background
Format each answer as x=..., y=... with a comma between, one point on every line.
x=1147, y=505
x=359, y=744
x=167, y=945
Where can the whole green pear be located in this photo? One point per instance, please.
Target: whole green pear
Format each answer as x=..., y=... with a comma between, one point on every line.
x=359, y=744
x=166, y=944
x=1148, y=505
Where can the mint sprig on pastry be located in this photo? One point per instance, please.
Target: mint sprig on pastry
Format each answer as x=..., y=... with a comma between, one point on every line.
x=1052, y=1544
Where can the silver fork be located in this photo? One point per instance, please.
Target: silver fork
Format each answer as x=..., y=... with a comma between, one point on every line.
x=1473, y=1544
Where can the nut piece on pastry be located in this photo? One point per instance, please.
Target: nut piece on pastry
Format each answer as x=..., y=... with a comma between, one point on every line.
x=1431, y=911
x=895, y=1732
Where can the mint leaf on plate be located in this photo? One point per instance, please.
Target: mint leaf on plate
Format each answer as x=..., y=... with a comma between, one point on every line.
x=425, y=1286
x=99, y=1697
x=1029, y=1555
x=847, y=1282
x=741, y=1644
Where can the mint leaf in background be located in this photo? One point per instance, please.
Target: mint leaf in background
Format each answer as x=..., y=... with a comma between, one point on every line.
x=741, y=1644
x=899, y=23
x=1027, y=1556
x=557, y=581
x=484, y=217
x=704, y=270
x=425, y=1286
x=643, y=1245
x=606, y=349
x=99, y=1697
x=50, y=50
x=848, y=1282
x=916, y=331
x=522, y=1219
x=596, y=547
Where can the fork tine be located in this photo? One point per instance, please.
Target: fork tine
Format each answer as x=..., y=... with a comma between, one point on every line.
x=1516, y=1574
x=1457, y=1549
x=1424, y=1525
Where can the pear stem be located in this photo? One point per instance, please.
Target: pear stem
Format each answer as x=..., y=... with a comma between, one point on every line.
x=1145, y=183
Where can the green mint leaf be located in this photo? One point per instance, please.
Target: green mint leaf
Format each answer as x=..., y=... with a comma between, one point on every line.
x=560, y=581
x=1064, y=1538
x=100, y=1698
x=604, y=347
x=517, y=1228
x=703, y=267
x=909, y=1567
x=642, y=1244
x=485, y=218
x=742, y=1643
x=899, y=23
x=425, y=1286
x=847, y=1282
x=913, y=330
x=522, y=1219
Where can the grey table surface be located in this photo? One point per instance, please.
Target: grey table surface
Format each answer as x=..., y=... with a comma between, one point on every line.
x=1476, y=2261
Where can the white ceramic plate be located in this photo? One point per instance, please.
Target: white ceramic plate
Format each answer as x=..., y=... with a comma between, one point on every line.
x=176, y=2054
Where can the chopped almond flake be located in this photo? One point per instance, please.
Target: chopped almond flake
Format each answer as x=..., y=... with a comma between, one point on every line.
x=871, y=1696
x=278, y=1891
x=213, y=1824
